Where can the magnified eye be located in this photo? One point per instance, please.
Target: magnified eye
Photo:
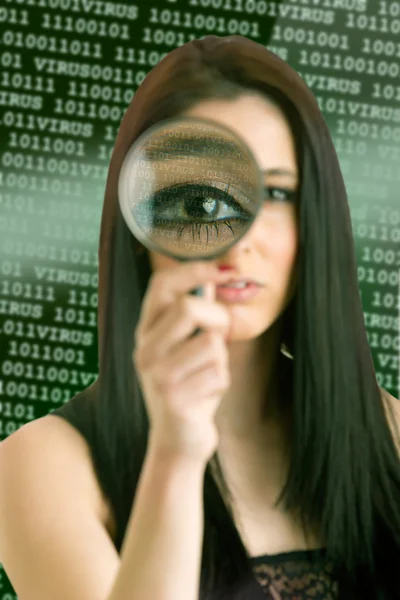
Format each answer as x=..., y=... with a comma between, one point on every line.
x=197, y=206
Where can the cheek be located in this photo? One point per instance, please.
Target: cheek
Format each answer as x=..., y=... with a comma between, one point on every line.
x=278, y=236
x=286, y=247
x=159, y=261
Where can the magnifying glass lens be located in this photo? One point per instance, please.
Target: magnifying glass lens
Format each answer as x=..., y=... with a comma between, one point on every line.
x=190, y=188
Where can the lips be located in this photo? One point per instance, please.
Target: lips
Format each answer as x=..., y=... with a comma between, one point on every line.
x=237, y=285
x=237, y=282
x=240, y=283
x=233, y=295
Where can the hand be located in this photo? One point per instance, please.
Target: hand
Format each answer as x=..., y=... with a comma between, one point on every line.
x=183, y=378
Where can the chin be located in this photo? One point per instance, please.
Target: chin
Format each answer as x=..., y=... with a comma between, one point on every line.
x=244, y=330
x=249, y=324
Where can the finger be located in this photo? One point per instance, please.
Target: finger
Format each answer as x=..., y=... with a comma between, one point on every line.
x=184, y=396
x=168, y=284
x=209, y=290
x=179, y=322
x=205, y=349
x=210, y=382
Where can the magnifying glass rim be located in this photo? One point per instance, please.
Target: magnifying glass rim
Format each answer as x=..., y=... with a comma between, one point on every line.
x=123, y=185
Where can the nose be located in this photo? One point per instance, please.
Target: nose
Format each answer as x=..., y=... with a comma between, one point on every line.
x=243, y=246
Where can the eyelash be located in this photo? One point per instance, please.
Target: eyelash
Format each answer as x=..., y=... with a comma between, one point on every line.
x=159, y=201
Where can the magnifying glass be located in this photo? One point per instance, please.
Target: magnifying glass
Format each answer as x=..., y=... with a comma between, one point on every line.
x=190, y=189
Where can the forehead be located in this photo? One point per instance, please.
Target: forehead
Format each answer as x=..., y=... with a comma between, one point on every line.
x=259, y=123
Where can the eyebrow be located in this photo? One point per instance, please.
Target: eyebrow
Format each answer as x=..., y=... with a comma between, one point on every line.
x=279, y=172
x=197, y=147
x=193, y=146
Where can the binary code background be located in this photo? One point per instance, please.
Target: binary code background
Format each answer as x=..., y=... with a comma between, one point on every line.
x=68, y=71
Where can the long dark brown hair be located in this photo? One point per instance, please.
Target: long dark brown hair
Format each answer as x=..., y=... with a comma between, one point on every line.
x=344, y=475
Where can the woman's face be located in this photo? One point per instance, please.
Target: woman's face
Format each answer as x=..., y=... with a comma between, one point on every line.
x=267, y=252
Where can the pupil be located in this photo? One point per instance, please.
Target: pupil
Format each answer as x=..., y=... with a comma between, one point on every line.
x=201, y=207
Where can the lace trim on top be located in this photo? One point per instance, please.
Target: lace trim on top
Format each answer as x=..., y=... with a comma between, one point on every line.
x=296, y=575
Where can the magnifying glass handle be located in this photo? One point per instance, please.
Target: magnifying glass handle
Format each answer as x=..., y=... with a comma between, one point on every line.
x=197, y=292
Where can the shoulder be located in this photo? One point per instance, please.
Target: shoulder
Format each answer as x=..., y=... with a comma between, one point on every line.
x=391, y=401
x=51, y=443
x=392, y=411
x=53, y=538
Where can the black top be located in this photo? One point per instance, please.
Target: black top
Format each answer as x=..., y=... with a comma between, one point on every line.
x=300, y=575
x=296, y=575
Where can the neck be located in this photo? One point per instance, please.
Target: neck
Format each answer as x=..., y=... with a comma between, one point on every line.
x=252, y=402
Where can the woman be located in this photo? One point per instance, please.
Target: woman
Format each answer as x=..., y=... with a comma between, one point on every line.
x=291, y=435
